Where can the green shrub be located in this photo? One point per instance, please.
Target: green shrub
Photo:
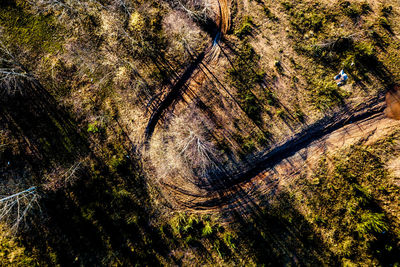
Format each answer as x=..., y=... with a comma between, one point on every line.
x=230, y=239
x=364, y=53
x=371, y=223
x=383, y=20
x=246, y=28
x=343, y=202
x=287, y=5
x=278, y=66
x=327, y=94
x=384, y=23
x=281, y=113
x=365, y=8
x=386, y=11
x=38, y=32
x=93, y=127
x=299, y=114
x=207, y=229
x=355, y=10
x=12, y=252
x=269, y=14
x=248, y=146
x=307, y=18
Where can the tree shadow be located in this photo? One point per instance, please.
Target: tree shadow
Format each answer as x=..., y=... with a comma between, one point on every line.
x=49, y=132
x=217, y=180
x=103, y=219
x=172, y=95
x=279, y=235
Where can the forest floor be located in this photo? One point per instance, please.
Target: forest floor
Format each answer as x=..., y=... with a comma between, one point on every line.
x=280, y=165
x=212, y=136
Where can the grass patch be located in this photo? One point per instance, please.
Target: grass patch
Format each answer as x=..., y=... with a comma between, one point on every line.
x=203, y=232
x=246, y=28
x=326, y=94
x=39, y=32
x=244, y=76
x=12, y=252
x=344, y=204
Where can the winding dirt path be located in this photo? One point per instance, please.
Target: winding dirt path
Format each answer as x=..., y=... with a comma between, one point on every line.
x=190, y=77
x=280, y=166
x=224, y=16
x=240, y=190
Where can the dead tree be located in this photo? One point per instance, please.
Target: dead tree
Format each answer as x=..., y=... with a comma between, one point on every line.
x=14, y=208
x=198, y=151
x=61, y=178
x=198, y=9
x=13, y=76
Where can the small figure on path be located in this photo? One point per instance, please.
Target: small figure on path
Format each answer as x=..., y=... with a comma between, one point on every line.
x=341, y=78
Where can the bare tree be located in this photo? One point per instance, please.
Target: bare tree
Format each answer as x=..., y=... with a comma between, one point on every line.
x=123, y=5
x=198, y=9
x=61, y=178
x=67, y=10
x=14, y=208
x=191, y=142
x=197, y=150
x=13, y=76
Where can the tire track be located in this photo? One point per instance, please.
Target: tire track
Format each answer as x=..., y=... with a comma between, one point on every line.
x=237, y=190
x=204, y=58
x=279, y=166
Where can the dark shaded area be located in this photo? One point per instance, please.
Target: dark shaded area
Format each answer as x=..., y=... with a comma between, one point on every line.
x=7, y=3
x=103, y=219
x=350, y=205
x=209, y=26
x=278, y=235
x=174, y=94
x=50, y=133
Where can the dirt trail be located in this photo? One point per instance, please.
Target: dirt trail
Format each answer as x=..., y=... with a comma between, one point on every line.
x=173, y=95
x=277, y=167
x=318, y=130
x=224, y=16
x=191, y=78
x=393, y=103
x=283, y=164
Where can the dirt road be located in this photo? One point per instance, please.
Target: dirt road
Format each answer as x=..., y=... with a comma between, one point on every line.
x=281, y=165
x=224, y=16
x=190, y=77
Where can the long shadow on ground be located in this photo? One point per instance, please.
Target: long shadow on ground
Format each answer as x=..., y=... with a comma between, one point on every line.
x=225, y=180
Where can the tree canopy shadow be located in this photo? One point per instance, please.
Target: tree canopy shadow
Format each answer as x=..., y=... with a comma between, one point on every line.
x=103, y=219
x=49, y=131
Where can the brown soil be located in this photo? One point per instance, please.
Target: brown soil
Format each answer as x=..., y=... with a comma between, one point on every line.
x=393, y=103
x=243, y=196
x=193, y=76
x=224, y=16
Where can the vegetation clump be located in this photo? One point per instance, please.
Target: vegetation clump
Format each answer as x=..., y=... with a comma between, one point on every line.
x=246, y=28
x=347, y=204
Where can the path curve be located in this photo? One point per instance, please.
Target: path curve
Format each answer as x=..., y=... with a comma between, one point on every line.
x=237, y=190
x=278, y=166
x=205, y=57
